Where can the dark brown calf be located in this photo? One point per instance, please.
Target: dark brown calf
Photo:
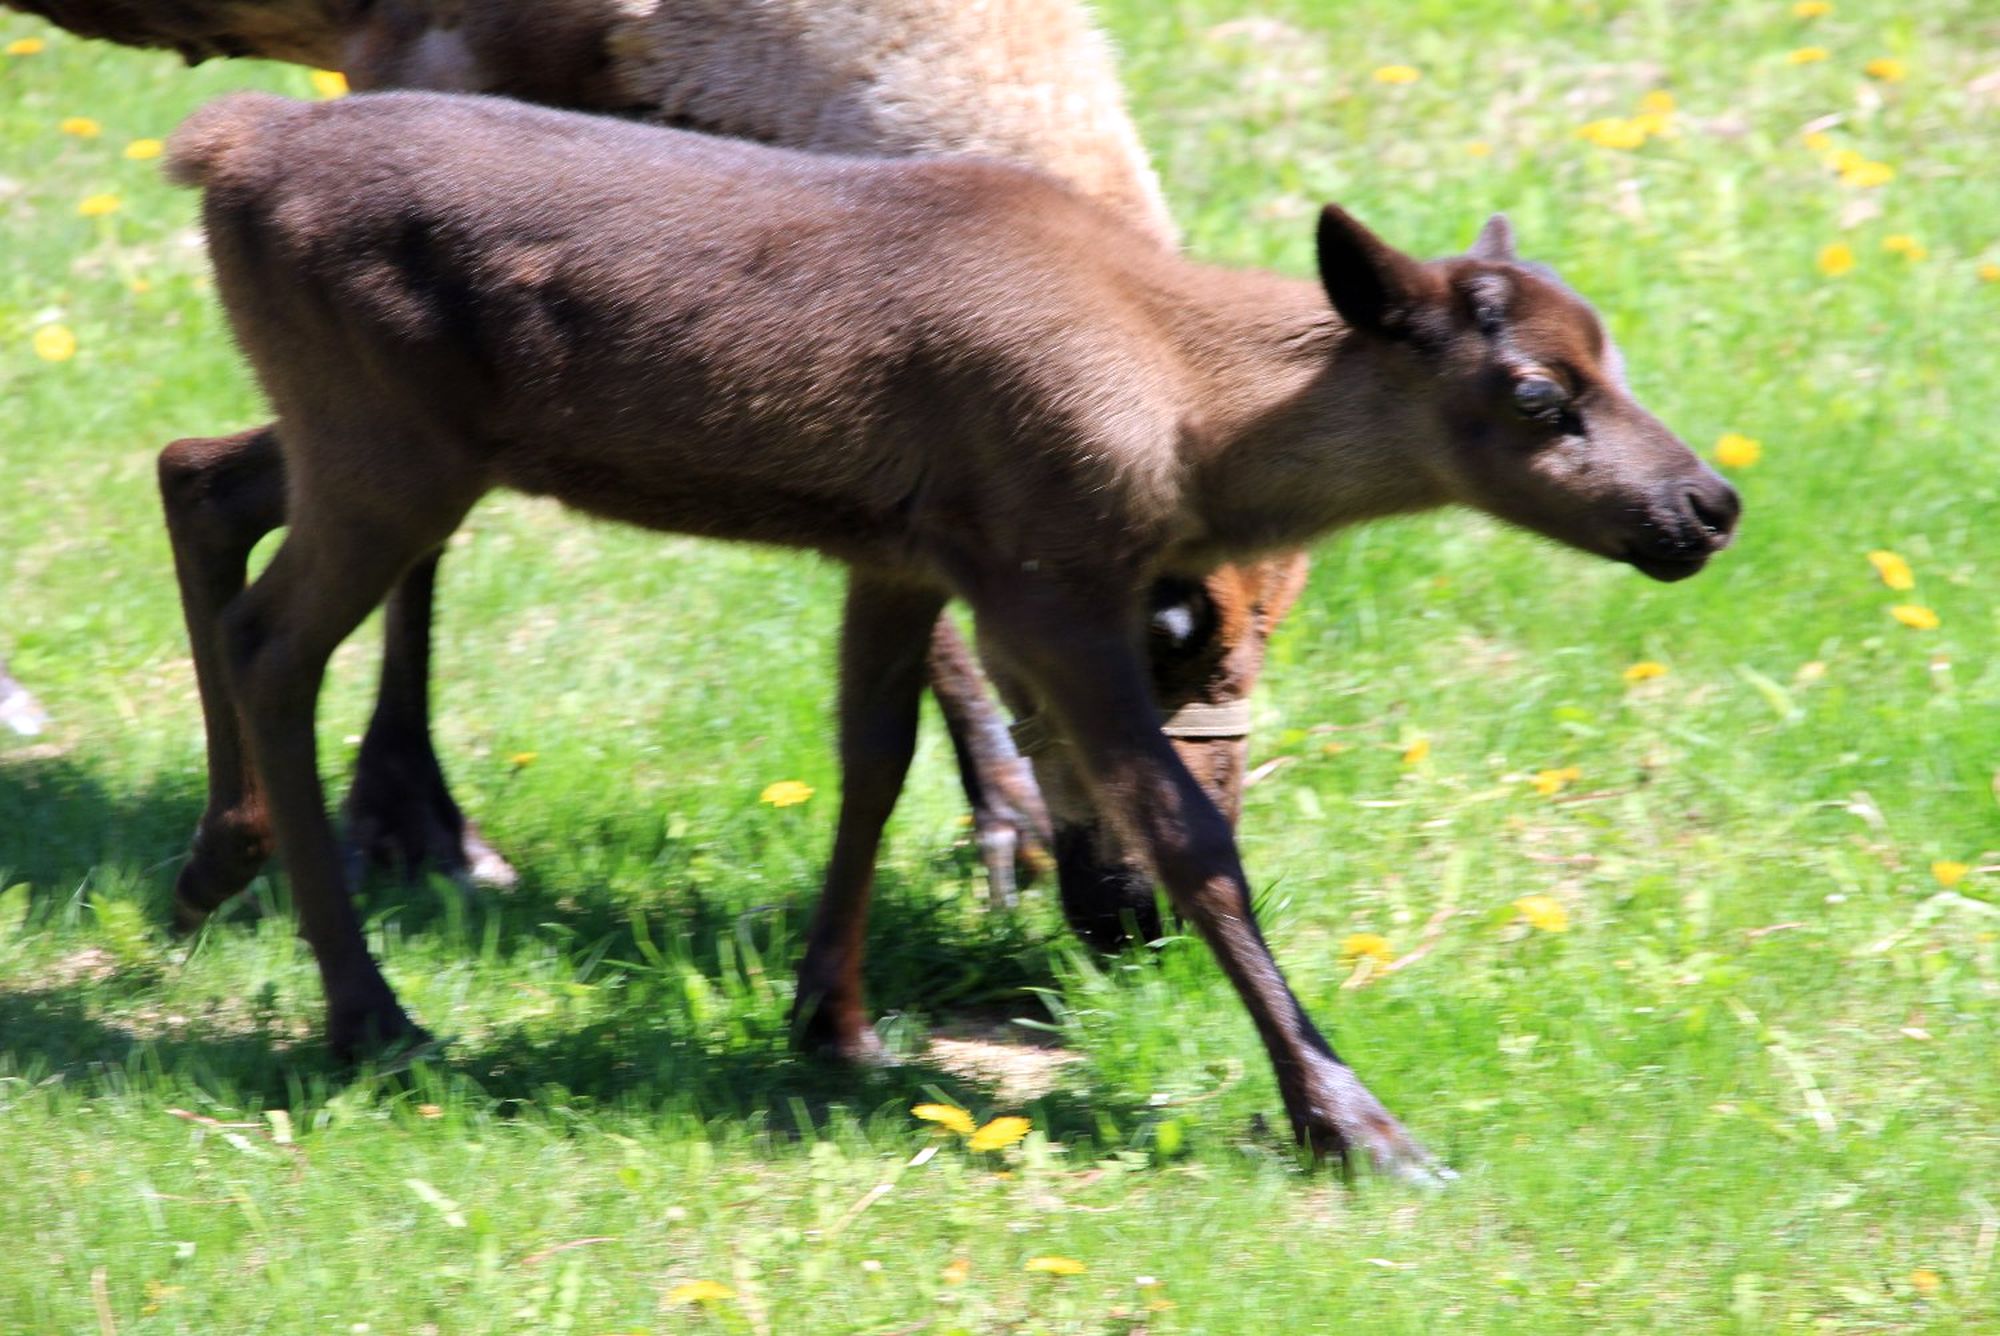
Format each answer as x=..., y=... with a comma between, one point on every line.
x=957, y=377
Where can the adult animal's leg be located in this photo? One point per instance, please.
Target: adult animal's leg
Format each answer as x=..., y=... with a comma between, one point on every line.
x=1081, y=657
x=884, y=644
x=1205, y=641
x=399, y=813
x=1009, y=819
x=221, y=495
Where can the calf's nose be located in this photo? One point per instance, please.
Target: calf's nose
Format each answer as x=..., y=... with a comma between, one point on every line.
x=1716, y=507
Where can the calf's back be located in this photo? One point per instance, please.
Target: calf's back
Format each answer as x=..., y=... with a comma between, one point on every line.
x=685, y=332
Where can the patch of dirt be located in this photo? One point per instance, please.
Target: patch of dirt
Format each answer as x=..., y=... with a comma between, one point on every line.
x=1017, y=1068
x=93, y=964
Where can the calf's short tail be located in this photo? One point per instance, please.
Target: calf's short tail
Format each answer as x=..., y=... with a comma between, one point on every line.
x=199, y=151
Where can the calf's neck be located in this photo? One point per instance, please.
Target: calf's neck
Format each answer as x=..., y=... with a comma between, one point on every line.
x=955, y=376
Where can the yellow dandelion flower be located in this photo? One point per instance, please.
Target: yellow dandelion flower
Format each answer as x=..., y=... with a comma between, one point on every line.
x=699, y=1292
x=1915, y=616
x=1989, y=273
x=141, y=285
x=1479, y=148
x=1417, y=751
x=999, y=1134
x=1734, y=450
x=1925, y=1281
x=1905, y=245
x=1397, y=74
x=1835, y=258
x=1886, y=68
x=1644, y=671
x=956, y=1270
x=54, y=343
x=1654, y=124
x=948, y=1116
x=1895, y=572
x=1544, y=913
x=26, y=46
x=141, y=149
x=83, y=127
x=1818, y=141
x=1370, y=944
x=1659, y=102
x=1549, y=783
x=1613, y=132
x=522, y=760
x=1949, y=873
x=328, y=83
x=1055, y=1266
x=1806, y=55
x=1866, y=175
x=1811, y=9
x=96, y=206
x=1844, y=159
x=785, y=793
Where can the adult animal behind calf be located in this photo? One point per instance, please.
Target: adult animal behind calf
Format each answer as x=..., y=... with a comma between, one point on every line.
x=1029, y=81
x=956, y=376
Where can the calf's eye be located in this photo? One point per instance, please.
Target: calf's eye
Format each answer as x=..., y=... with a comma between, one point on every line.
x=1539, y=397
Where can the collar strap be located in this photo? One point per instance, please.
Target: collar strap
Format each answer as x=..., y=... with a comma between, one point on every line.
x=1230, y=719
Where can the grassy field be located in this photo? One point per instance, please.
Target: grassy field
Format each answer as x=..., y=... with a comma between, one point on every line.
x=1750, y=1085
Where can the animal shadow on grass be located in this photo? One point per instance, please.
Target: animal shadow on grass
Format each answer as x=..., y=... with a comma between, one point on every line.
x=60, y=825
x=689, y=993
x=694, y=995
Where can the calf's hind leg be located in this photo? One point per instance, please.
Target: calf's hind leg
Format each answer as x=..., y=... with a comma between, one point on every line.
x=334, y=566
x=1084, y=664
x=221, y=494
x=884, y=642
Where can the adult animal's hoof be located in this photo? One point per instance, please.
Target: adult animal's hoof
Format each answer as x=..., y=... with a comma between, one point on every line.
x=408, y=829
x=374, y=1028
x=854, y=1043
x=225, y=853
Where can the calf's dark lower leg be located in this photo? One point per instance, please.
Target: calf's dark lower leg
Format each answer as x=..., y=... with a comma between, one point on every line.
x=221, y=494
x=884, y=641
x=1094, y=682
x=332, y=569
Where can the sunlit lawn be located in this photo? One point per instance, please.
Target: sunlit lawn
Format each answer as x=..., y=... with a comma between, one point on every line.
x=1732, y=1068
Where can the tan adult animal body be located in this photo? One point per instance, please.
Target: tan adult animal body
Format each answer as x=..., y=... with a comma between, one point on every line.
x=958, y=377
x=1030, y=81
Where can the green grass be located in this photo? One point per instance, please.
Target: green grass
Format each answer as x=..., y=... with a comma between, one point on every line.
x=1751, y=1088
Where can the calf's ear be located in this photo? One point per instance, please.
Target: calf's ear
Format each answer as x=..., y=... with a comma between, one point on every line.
x=1373, y=286
x=1495, y=240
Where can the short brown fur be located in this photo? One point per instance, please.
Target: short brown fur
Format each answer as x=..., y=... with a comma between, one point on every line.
x=958, y=377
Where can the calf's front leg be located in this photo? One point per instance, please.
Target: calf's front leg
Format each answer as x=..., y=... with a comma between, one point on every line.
x=1083, y=662
x=884, y=643
x=221, y=494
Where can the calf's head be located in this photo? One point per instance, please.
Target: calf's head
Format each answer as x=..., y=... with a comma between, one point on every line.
x=1514, y=400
